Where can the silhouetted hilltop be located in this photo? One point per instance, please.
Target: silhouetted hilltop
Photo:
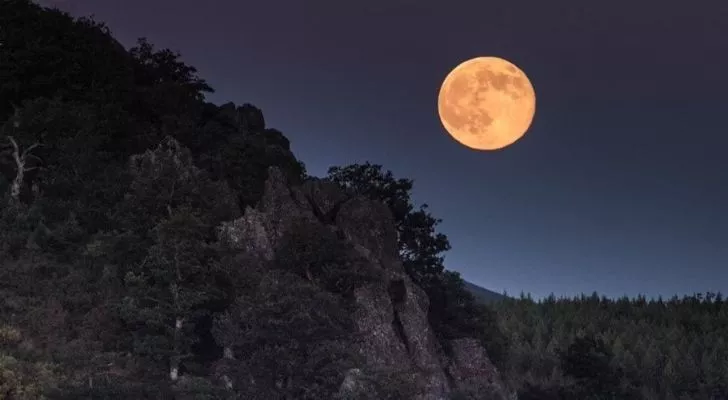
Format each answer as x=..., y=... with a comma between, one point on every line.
x=483, y=295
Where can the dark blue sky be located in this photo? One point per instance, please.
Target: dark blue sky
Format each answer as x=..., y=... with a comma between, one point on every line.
x=621, y=184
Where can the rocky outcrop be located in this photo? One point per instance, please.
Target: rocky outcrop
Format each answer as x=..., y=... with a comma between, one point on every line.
x=247, y=117
x=391, y=314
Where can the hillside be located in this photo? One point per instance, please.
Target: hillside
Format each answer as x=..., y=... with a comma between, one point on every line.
x=154, y=245
x=483, y=295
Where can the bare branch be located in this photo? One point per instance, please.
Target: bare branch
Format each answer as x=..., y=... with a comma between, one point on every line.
x=31, y=147
x=20, y=162
x=14, y=143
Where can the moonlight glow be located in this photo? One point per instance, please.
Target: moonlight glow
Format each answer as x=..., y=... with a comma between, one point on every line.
x=486, y=103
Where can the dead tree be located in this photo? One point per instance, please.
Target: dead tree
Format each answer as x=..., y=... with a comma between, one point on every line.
x=21, y=167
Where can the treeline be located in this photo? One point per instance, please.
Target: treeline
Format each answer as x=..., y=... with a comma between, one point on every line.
x=591, y=347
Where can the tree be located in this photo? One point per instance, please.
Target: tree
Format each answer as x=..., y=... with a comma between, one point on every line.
x=21, y=158
x=168, y=290
x=420, y=246
x=170, y=213
x=168, y=95
x=47, y=54
x=286, y=334
x=587, y=360
x=165, y=179
x=80, y=170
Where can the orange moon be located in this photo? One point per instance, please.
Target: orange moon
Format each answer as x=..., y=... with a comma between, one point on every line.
x=486, y=103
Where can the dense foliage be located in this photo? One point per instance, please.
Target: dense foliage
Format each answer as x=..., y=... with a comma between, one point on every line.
x=115, y=174
x=592, y=347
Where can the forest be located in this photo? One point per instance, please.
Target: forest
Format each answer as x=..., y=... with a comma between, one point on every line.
x=621, y=349
x=115, y=176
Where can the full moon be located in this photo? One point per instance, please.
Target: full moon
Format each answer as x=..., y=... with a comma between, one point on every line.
x=486, y=103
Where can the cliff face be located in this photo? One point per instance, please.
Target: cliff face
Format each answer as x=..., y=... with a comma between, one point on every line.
x=391, y=312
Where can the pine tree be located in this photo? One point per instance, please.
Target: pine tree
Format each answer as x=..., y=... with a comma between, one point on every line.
x=168, y=290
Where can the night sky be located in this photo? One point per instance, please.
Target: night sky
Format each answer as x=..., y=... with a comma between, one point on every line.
x=621, y=184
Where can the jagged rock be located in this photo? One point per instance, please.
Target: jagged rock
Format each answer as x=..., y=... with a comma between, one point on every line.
x=251, y=118
x=369, y=224
x=248, y=118
x=249, y=234
x=391, y=314
x=325, y=196
x=259, y=230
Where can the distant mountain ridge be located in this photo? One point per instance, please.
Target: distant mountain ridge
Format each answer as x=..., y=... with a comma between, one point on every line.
x=483, y=295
